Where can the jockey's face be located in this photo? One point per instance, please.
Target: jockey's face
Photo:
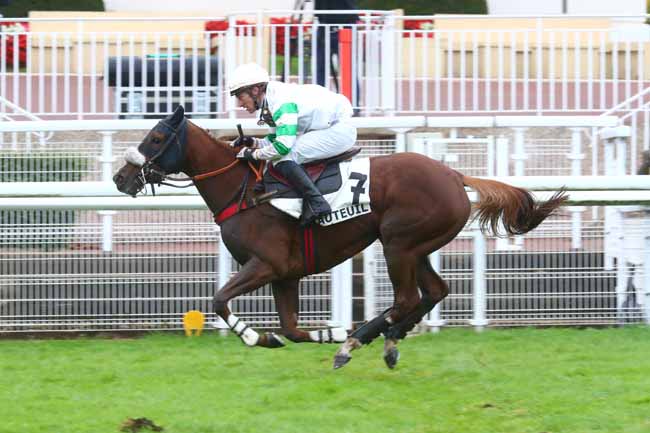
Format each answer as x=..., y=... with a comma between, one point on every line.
x=250, y=99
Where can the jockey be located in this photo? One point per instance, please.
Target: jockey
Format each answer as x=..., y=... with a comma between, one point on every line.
x=307, y=122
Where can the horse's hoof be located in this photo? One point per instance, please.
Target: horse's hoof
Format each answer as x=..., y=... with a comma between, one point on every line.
x=340, y=359
x=273, y=341
x=391, y=357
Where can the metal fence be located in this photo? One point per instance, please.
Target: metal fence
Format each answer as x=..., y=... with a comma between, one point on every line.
x=106, y=67
x=63, y=269
x=57, y=276
x=538, y=281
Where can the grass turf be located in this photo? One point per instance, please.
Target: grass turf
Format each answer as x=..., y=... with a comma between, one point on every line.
x=457, y=381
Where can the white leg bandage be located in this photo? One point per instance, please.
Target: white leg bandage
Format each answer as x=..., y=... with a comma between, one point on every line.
x=133, y=156
x=247, y=335
x=330, y=335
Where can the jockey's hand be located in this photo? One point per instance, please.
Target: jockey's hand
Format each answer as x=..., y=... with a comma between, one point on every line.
x=243, y=140
x=248, y=154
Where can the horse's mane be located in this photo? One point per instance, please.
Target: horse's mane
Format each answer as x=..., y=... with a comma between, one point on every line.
x=217, y=141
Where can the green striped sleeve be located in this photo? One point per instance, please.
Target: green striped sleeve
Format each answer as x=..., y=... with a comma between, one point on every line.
x=280, y=147
x=286, y=120
x=287, y=130
x=287, y=108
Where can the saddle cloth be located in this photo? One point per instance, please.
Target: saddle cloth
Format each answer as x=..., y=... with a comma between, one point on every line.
x=345, y=186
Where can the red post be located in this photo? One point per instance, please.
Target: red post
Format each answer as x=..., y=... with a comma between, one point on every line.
x=345, y=59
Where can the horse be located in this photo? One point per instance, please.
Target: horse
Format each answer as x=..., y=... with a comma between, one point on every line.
x=417, y=206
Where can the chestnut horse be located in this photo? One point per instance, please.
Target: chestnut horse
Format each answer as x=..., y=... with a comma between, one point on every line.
x=418, y=205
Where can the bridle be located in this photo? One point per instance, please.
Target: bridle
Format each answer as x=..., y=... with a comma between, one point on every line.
x=151, y=173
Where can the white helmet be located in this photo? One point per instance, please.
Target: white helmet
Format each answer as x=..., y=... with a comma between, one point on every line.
x=246, y=75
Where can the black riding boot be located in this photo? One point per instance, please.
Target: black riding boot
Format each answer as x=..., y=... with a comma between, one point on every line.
x=314, y=205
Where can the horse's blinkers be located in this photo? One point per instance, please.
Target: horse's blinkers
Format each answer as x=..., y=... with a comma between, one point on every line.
x=168, y=158
x=160, y=160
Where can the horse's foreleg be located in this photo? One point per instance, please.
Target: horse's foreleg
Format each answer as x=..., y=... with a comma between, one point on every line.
x=287, y=302
x=252, y=275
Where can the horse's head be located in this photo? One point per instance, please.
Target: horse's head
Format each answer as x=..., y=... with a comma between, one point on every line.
x=162, y=152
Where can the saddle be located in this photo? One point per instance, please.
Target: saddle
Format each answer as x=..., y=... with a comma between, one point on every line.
x=325, y=174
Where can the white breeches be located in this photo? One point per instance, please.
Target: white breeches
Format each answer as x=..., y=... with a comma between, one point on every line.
x=323, y=143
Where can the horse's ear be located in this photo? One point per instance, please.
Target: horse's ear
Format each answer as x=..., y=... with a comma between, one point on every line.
x=178, y=115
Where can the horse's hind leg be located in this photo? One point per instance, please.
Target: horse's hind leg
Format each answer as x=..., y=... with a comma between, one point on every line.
x=362, y=335
x=401, y=269
x=287, y=302
x=433, y=290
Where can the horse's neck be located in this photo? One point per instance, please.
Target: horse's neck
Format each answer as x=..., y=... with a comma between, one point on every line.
x=205, y=155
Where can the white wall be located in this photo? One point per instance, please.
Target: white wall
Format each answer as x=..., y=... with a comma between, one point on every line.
x=524, y=7
x=213, y=7
x=610, y=7
x=577, y=7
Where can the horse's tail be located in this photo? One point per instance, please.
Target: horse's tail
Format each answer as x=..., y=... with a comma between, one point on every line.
x=514, y=207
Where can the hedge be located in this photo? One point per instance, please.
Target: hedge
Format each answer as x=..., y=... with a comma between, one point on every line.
x=427, y=7
x=21, y=8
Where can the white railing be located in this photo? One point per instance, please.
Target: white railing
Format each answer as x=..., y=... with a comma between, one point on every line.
x=25, y=300
x=91, y=259
x=81, y=68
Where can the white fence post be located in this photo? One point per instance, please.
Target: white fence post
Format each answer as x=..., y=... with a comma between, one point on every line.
x=372, y=91
x=400, y=139
x=224, y=267
x=503, y=158
x=433, y=320
x=342, y=295
x=388, y=66
x=503, y=169
x=519, y=155
x=479, y=304
x=646, y=281
x=369, y=276
x=490, y=156
x=621, y=271
x=225, y=263
x=614, y=151
x=576, y=156
x=259, y=36
x=106, y=160
x=230, y=62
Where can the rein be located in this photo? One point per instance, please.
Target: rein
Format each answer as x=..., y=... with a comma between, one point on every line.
x=239, y=197
x=257, y=171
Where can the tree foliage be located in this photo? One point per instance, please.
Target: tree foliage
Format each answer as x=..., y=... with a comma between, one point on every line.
x=427, y=7
x=21, y=8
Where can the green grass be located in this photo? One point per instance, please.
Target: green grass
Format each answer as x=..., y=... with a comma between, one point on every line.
x=457, y=381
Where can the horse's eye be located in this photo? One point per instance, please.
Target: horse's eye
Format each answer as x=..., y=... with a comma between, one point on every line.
x=156, y=140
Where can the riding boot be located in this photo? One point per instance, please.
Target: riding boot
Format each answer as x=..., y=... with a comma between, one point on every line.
x=314, y=205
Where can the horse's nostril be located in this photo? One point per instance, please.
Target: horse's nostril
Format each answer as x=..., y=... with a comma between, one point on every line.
x=118, y=179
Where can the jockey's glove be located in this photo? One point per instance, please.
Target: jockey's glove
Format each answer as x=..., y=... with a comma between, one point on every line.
x=248, y=154
x=243, y=141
